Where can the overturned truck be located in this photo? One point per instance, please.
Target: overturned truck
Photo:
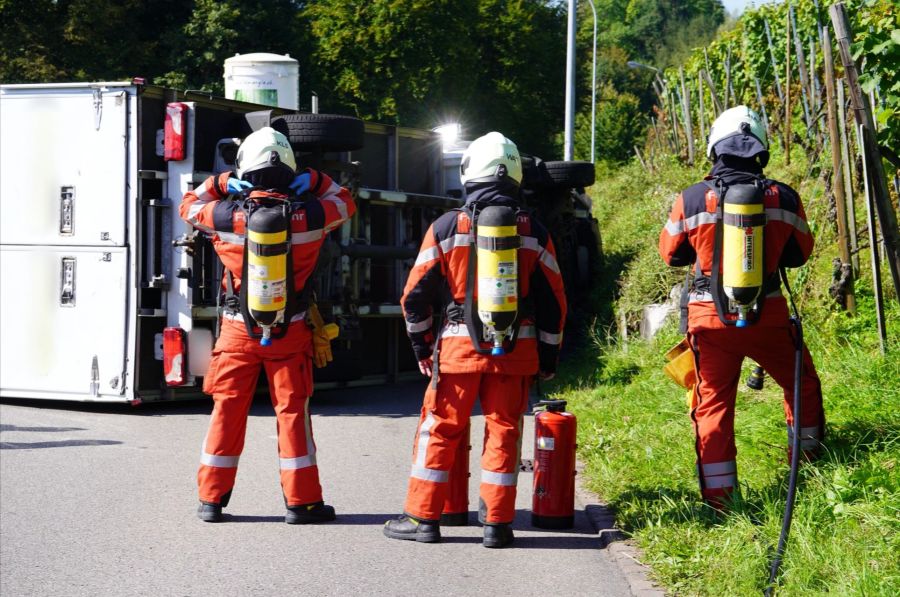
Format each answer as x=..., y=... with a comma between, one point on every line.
x=105, y=288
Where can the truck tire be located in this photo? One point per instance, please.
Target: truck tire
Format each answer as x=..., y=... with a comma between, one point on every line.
x=571, y=174
x=326, y=132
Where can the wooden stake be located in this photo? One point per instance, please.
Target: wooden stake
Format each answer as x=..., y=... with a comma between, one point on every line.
x=873, y=238
x=727, y=90
x=686, y=111
x=837, y=185
x=848, y=184
x=674, y=119
x=787, y=96
x=873, y=161
x=712, y=92
x=640, y=158
x=762, y=104
x=804, y=79
x=774, y=62
x=701, y=108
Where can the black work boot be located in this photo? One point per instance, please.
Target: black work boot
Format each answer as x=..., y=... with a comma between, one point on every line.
x=309, y=513
x=210, y=512
x=412, y=529
x=498, y=535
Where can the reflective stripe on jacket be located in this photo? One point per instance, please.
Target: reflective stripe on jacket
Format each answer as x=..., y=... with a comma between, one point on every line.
x=311, y=220
x=689, y=238
x=440, y=273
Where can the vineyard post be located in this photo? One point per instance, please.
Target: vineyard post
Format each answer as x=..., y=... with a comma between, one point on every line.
x=762, y=104
x=686, y=110
x=774, y=63
x=659, y=147
x=872, y=155
x=787, y=95
x=727, y=90
x=817, y=87
x=673, y=119
x=848, y=184
x=873, y=236
x=712, y=92
x=700, y=107
x=837, y=176
x=640, y=158
x=804, y=79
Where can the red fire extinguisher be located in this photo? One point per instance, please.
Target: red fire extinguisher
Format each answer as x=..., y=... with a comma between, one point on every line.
x=456, y=504
x=553, y=501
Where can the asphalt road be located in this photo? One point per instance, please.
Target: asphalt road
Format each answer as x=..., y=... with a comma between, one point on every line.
x=101, y=500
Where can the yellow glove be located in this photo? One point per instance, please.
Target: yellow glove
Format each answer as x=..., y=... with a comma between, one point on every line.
x=322, y=335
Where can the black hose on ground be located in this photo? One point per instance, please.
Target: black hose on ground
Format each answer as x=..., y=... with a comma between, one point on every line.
x=795, y=461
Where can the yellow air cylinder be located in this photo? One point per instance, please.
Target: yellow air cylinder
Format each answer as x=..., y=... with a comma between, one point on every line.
x=267, y=268
x=497, y=241
x=742, y=247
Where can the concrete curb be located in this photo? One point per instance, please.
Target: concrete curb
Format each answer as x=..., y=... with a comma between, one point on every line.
x=626, y=556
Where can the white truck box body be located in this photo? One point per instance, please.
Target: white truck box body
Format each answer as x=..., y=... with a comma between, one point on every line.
x=66, y=303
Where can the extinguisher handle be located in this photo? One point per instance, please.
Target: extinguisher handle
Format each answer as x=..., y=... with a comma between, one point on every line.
x=553, y=405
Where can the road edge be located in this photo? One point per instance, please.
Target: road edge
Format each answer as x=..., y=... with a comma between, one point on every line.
x=613, y=540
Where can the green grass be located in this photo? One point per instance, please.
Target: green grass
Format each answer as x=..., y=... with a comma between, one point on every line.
x=636, y=441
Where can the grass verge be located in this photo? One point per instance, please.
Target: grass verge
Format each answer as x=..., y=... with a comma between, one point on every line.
x=637, y=444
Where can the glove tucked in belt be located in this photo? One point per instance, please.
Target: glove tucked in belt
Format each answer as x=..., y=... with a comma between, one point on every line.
x=322, y=335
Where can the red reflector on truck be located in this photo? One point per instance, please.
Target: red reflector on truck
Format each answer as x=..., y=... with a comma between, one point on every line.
x=174, y=356
x=175, y=129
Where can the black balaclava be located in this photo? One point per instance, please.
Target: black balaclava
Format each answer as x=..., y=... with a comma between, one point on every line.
x=739, y=159
x=504, y=192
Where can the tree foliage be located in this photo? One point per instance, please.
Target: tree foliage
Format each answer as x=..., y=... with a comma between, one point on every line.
x=489, y=64
x=656, y=33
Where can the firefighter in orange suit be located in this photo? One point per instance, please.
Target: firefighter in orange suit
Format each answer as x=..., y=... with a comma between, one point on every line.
x=491, y=171
x=739, y=151
x=266, y=170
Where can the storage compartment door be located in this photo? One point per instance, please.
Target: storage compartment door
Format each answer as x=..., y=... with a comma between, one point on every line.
x=64, y=322
x=63, y=164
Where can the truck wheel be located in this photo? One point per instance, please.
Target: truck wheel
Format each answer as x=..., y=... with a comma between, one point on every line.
x=571, y=174
x=327, y=132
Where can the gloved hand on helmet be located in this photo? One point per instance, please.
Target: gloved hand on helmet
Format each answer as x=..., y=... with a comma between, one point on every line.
x=300, y=184
x=237, y=186
x=322, y=335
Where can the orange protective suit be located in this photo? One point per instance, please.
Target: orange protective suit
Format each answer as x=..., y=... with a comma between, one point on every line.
x=237, y=357
x=688, y=239
x=464, y=375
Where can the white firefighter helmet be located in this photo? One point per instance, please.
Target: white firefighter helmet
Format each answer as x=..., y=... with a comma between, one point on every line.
x=491, y=158
x=263, y=149
x=741, y=122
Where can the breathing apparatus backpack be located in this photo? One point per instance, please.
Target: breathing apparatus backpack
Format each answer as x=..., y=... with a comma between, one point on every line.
x=738, y=266
x=494, y=246
x=267, y=298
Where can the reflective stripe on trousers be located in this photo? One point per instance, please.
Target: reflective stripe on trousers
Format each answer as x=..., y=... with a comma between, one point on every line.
x=719, y=475
x=809, y=437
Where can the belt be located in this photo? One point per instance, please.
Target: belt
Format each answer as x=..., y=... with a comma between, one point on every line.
x=236, y=316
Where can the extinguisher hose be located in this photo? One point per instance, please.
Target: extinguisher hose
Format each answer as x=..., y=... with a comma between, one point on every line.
x=795, y=458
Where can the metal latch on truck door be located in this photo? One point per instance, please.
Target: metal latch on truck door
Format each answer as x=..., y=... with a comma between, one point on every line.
x=67, y=282
x=67, y=210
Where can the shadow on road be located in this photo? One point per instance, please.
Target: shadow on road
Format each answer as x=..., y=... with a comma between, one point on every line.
x=60, y=444
x=391, y=401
